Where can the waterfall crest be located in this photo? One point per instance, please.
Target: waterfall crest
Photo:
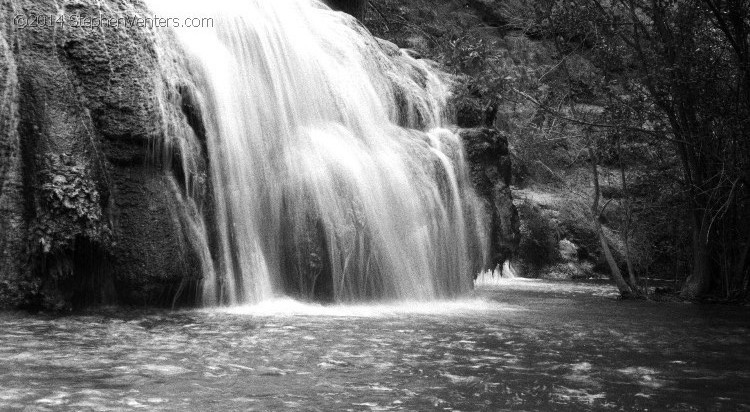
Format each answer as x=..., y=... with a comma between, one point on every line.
x=331, y=174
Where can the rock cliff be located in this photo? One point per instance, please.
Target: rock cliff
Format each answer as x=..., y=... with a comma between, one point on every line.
x=86, y=211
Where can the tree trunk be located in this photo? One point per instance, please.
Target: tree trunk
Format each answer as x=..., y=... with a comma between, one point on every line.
x=616, y=274
x=699, y=282
x=622, y=286
x=742, y=269
x=632, y=278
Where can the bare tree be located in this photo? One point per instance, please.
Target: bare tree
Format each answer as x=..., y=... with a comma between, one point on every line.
x=691, y=59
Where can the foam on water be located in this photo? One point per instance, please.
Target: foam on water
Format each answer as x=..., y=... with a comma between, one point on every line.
x=288, y=307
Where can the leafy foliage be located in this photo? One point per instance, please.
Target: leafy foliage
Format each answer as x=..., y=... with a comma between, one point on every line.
x=19, y=294
x=70, y=209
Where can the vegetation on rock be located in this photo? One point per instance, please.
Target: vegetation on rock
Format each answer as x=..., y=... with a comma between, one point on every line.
x=71, y=207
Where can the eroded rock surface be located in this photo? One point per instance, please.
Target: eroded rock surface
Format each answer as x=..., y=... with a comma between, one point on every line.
x=81, y=122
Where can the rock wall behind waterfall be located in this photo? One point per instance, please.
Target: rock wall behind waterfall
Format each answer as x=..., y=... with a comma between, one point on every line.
x=95, y=221
x=12, y=225
x=490, y=164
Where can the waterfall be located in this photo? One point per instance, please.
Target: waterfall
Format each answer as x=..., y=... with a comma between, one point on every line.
x=330, y=168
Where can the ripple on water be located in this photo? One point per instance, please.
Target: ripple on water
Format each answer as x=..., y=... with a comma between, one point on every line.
x=475, y=354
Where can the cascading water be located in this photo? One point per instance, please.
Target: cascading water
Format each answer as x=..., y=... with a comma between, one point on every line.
x=330, y=173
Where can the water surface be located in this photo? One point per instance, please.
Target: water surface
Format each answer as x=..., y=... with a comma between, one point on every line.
x=513, y=345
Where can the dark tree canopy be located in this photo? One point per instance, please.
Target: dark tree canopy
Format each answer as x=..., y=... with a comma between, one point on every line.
x=681, y=69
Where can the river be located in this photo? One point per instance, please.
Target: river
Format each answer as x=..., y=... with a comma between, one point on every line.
x=514, y=344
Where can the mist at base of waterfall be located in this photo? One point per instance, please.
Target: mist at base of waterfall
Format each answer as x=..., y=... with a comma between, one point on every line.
x=519, y=344
x=284, y=307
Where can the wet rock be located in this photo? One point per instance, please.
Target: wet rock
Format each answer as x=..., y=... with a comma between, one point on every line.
x=357, y=8
x=470, y=114
x=410, y=77
x=12, y=224
x=389, y=48
x=103, y=226
x=490, y=166
x=306, y=263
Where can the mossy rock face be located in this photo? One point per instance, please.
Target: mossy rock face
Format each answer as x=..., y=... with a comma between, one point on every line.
x=90, y=215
